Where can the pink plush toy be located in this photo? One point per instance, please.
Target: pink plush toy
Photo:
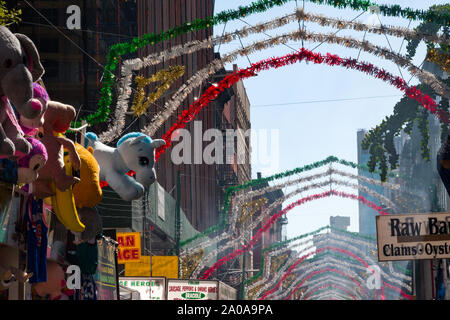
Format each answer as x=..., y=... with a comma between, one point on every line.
x=30, y=164
x=31, y=127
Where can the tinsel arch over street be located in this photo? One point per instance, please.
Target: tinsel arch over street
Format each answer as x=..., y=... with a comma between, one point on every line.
x=328, y=265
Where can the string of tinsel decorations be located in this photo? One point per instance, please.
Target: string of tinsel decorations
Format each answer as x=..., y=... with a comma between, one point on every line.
x=279, y=202
x=350, y=238
x=166, y=77
x=172, y=105
x=137, y=64
x=121, y=49
x=347, y=242
x=293, y=267
x=230, y=191
x=250, y=208
x=275, y=217
x=440, y=58
x=346, y=278
x=344, y=241
x=303, y=55
x=324, y=287
x=240, y=199
x=193, y=46
x=189, y=263
x=311, y=274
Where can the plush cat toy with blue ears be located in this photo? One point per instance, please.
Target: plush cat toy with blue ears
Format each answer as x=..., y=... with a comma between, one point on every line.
x=135, y=151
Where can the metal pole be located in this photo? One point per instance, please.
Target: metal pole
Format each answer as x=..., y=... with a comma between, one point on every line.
x=177, y=219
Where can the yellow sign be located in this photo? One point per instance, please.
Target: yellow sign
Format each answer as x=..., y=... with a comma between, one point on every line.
x=138, y=269
x=162, y=266
x=165, y=266
x=129, y=247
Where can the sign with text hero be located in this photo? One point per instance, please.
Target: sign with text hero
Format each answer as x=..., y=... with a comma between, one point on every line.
x=129, y=247
x=413, y=236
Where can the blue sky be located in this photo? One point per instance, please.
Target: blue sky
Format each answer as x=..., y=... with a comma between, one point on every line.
x=313, y=131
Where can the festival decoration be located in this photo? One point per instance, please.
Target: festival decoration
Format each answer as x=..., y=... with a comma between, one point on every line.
x=427, y=77
x=272, y=220
x=213, y=91
x=189, y=263
x=442, y=59
x=255, y=206
x=166, y=77
x=134, y=152
x=280, y=201
x=338, y=240
x=235, y=189
x=121, y=49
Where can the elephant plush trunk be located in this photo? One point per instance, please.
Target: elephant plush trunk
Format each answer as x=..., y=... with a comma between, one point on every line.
x=17, y=86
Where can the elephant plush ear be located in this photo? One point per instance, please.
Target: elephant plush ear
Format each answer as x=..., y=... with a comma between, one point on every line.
x=33, y=59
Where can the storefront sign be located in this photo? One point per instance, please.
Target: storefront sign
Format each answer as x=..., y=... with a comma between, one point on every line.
x=149, y=288
x=129, y=247
x=105, y=278
x=413, y=236
x=226, y=292
x=191, y=290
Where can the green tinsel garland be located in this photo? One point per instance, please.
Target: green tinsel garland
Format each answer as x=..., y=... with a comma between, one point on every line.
x=231, y=190
x=118, y=50
x=286, y=242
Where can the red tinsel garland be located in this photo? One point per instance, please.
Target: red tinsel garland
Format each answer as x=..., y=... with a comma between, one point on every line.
x=330, y=285
x=299, y=261
x=303, y=54
x=277, y=215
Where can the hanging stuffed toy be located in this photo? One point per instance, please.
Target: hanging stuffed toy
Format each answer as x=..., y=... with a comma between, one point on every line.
x=87, y=192
x=20, y=67
x=31, y=127
x=135, y=151
x=26, y=169
x=57, y=120
x=32, y=163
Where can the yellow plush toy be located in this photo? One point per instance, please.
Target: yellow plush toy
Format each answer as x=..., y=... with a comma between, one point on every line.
x=87, y=192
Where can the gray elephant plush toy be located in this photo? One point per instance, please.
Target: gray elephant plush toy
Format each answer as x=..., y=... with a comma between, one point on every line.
x=20, y=67
x=135, y=151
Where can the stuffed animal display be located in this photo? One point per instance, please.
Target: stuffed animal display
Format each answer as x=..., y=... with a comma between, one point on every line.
x=87, y=193
x=32, y=163
x=57, y=120
x=30, y=127
x=135, y=151
x=20, y=67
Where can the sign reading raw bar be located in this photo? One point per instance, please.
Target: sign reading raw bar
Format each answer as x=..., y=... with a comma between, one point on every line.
x=413, y=236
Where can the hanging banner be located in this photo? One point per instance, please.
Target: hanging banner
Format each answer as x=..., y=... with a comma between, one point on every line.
x=192, y=290
x=413, y=236
x=105, y=278
x=149, y=288
x=129, y=247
